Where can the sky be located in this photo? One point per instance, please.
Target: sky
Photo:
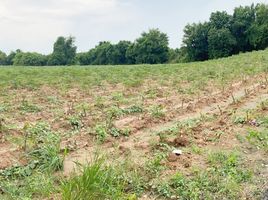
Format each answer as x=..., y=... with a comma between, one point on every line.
x=34, y=25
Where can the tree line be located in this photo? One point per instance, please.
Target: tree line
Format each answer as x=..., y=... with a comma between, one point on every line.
x=223, y=35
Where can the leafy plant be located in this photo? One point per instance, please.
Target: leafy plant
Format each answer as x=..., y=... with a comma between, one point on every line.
x=222, y=180
x=115, y=132
x=258, y=138
x=28, y=107
x=155, y=165
x=44, y=147
x=75, y=122
x=157, y=111
x=101, y=132
x=133, y=109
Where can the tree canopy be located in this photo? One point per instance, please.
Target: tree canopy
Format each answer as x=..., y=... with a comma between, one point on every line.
x=151, y=47
x=29, y=59
x=64, y=52
x=224, y=34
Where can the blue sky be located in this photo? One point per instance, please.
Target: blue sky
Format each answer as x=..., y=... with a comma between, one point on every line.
x=33, y=25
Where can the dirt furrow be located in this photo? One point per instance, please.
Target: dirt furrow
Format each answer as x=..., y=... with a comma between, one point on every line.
x=137, y=144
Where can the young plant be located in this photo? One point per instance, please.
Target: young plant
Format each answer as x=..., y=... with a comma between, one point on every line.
x=157, y=111
x=75, y=122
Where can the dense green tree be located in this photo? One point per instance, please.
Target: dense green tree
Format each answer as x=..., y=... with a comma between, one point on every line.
x=221, y=43
x=195, y=41
x=3, y=58
x=243, y=18
x=82, y=58
x=117, y=54
x=151, y=48
x=100, y=54
x=64, y=52
x=219, y=20
x=11, y=56
x=258, y=34
x=224, y=34
x=29, y=59
x=178, y=55
x=131, y=54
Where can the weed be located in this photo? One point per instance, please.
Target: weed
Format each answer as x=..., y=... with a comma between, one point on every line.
x=115, y=132
x=99, y=102
x=53, y=99
x=118, y=97
x=34, y=178
x=258, y=138
x=38, y=185
x=155, y=166
x=101, y=132
x=3, y=108
x=197, y=150
x=114, y=112
x=2, y=124
x=44, y=147
x=96, y=181
x=157, y=111
x=75, y=122
x=133, y=109
x=222, y=180
x=240, y=120
x=28, y=107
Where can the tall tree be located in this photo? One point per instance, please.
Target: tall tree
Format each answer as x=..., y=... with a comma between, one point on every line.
x=29, y=59
x=64, y=52
x=195, y=41
x=221, y=43
x=243, y=18
x=117, y=54
x=3, y=58
x=219, y=20
x=258, y=33
x=151, y=47
x=11, y=56
x=101, y=53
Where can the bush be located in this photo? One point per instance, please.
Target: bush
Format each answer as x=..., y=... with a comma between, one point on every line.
x=29, y=59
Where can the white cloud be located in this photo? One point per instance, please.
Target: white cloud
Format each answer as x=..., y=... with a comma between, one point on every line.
x=33, y=25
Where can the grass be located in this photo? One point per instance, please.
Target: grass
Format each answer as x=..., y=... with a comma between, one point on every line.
x=42, y=151
x=221, y=180
x=95, y=181
x=134, y=76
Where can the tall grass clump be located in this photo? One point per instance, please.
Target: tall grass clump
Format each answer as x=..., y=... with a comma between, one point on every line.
x=94, y=181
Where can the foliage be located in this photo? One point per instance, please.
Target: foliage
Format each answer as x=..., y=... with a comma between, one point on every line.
x=221, y=43
x=34, y=178
x=243, y=18
x=151, y=47
x=64, y=52
x=28, y=107
x=258, y=138
x=258, y=33
x=224, y=34
x=45, y=149
x=222, y=180
x=3, y=58
x=29, y=59
x=195, y=40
